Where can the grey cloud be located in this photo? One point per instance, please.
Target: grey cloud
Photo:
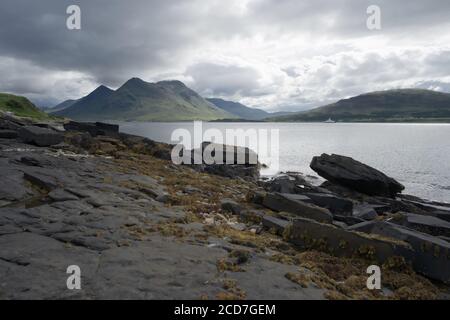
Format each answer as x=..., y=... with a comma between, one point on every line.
x=149, y=38
x=223, y=80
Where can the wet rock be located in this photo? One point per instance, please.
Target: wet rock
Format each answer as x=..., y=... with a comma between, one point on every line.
x=40, y=136
x=431, y=254
x=8, y=134
x=298, y=205
x=230, y=206
x=355, y=175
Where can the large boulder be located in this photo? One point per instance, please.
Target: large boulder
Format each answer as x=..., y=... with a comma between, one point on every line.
x=355, y=175
x=234, y=162
x=299, y=205
x=40, y=136
x=431, y=254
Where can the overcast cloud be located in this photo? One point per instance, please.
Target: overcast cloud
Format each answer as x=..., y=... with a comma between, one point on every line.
x=272, y=54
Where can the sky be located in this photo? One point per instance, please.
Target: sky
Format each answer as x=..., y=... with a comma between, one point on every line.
x=288, y=55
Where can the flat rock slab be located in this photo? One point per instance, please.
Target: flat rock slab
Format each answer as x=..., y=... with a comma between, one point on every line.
x=309, y=234
x=365, y=212
x=426, y=224
x=431, y=254
x=298, y=205
x=40, y=136
x=355, y=175
x=333, y=203
x=276, y=224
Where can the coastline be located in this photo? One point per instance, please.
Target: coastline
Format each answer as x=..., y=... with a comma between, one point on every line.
x=115, y=204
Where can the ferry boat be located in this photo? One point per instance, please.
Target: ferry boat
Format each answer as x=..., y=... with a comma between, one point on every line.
x=330, y=121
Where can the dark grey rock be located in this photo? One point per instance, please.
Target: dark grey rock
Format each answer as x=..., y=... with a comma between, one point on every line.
x=284, y=183
x=425, y=224
x=257, y=197
x=230, y=206
x=40, y=136
x=298, y=205
x=164, y=198
x=431, y=254
x=355, y=175
x=61, y=195
x=273, y=223
x=365, y=212
x=94, y=129
x=251, y=215
x=8, y=134
x=42, y=181
x=336, y=205
x=236, y=161
x=310, y=234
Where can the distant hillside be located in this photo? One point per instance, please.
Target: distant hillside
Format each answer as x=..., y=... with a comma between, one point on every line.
x=242, y=111
x=404, y=105
x=63, y=105
x=239, y=109
x=21, y=107
x=143, y=101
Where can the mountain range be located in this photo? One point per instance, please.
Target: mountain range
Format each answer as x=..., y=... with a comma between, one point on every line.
x=400, y=105
x=244, y=112
x=173, y=101
x=142, y=101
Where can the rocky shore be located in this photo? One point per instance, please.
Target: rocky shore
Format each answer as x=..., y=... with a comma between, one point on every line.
x=140, y=227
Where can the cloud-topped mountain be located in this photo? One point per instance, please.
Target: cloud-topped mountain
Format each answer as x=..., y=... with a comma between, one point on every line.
x=413, y=105
x=144, y=101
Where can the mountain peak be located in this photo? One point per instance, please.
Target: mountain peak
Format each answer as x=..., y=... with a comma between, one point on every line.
x=101, y=91
x=133, y=81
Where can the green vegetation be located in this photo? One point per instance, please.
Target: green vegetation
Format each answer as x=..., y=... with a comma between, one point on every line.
x=21, y=107
x=403, y=105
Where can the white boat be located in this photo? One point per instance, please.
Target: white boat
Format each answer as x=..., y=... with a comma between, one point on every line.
x=330, y=121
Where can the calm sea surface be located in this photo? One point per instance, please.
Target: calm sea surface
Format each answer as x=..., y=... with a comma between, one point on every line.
x=417, y=155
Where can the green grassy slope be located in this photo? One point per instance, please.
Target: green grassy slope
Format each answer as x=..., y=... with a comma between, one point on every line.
x=404, y=105
x=21, y=107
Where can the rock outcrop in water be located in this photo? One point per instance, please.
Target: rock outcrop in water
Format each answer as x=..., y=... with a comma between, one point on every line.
x=413, y=230
x=355, y=175
x=141, y=227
